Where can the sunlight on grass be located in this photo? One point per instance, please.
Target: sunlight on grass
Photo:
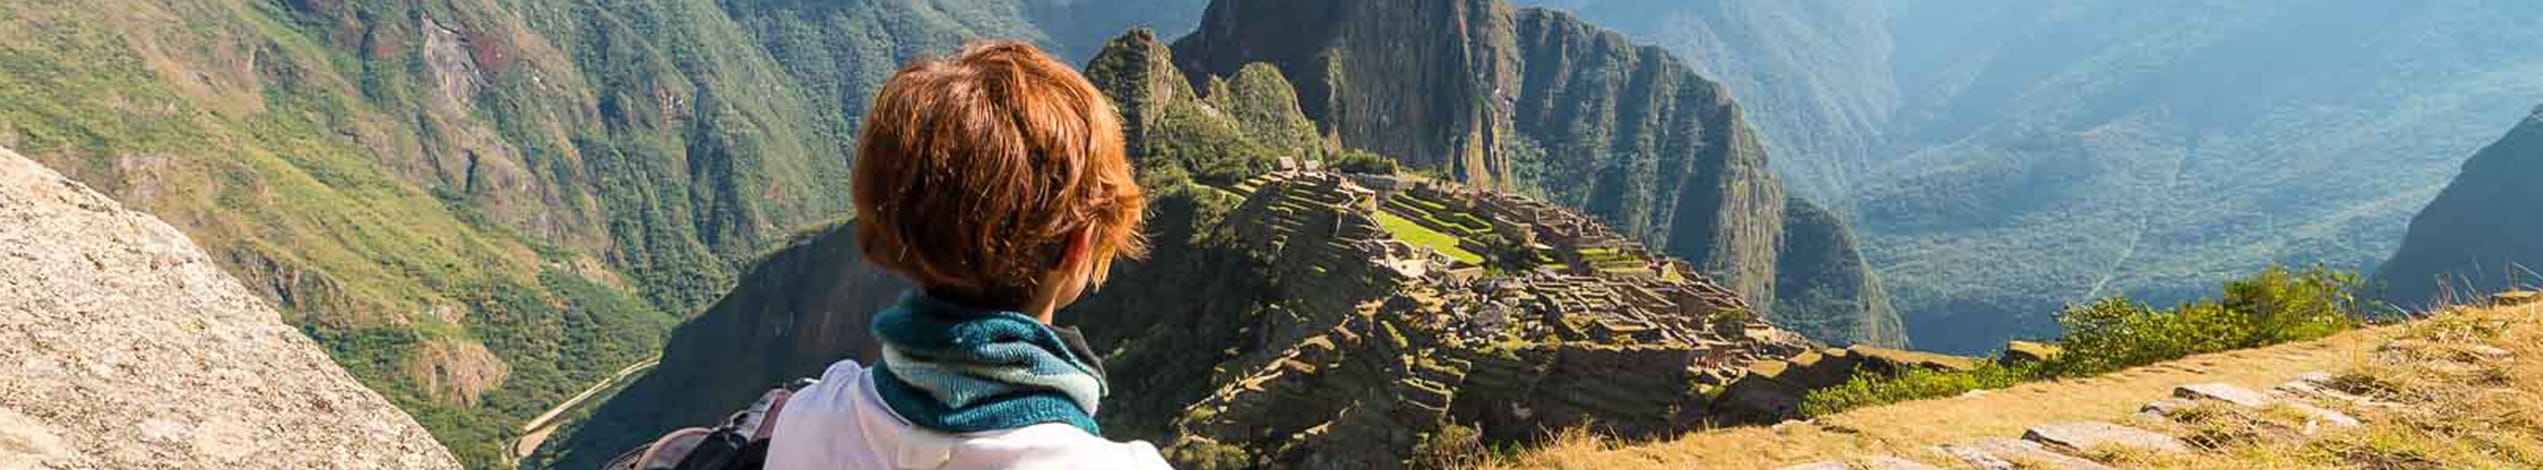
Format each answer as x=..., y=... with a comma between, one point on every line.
x=1414, y=233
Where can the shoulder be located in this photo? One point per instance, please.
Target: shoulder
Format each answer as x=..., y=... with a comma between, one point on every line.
x=842, y=422
x=823, y=425
x=1052, y=446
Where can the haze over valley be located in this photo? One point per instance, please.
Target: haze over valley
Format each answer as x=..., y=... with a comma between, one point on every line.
x=1387, y=233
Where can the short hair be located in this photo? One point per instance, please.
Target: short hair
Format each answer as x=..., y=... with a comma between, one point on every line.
x=973, y=174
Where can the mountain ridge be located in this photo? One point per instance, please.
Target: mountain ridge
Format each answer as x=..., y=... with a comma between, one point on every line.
x=2474, y=237
x=1540, y=102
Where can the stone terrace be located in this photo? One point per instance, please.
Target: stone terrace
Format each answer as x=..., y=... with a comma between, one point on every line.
x=1379, y=341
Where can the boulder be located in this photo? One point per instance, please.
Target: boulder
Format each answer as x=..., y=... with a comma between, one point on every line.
x=2026, y=352
x=2165, y=408
x=2093, y=435
x=2222, y=392
x=2316, y=416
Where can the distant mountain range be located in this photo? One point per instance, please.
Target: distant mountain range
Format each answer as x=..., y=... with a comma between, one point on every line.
x=2002, y=159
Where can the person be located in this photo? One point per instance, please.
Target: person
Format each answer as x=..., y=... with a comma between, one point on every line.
x=996, y=181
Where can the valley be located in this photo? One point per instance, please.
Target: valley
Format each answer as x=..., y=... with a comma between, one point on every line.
x=1385, y=234
x=2002, y=161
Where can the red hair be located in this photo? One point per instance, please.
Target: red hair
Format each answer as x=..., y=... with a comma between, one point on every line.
x=975, y=173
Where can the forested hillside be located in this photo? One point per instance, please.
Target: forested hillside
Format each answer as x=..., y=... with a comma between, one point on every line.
x=2482, y=234
x=2025, y=155
x=481, y=208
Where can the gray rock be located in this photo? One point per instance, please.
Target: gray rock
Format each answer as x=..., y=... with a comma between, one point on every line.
x=2316, y=415
x=2094, y=435
x=2015, y=454
x=126, y=347
x=2489, y=352
x=2222, y=392
x=2165, y=408
x=1874, y=463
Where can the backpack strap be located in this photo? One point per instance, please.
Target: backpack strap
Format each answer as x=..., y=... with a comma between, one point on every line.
x=741, y=442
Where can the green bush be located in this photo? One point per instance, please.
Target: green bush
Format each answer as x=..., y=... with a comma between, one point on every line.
x=2276, y=306
x=1364, y=162
x=1453, y=446
x=1914, y=384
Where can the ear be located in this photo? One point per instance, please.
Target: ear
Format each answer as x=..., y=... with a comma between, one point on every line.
x=1080, y=250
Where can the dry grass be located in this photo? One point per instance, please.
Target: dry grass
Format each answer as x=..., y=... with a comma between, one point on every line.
x=2464, y=410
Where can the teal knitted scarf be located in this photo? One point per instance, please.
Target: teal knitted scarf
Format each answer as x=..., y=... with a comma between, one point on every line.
x=958, y=369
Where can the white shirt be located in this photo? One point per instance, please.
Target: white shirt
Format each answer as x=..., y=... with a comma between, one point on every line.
x=842, y=423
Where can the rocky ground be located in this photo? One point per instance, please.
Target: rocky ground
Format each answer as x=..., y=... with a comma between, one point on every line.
x=123, y=346
x=2455, y=390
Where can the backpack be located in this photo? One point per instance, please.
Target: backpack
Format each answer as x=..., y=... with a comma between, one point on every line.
x=740, y=443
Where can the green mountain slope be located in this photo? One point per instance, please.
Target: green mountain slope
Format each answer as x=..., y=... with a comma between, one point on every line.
x=2479, y=235
x=1814, y=76
x=479, y=207
x=1536, y=101
x=2025, y=155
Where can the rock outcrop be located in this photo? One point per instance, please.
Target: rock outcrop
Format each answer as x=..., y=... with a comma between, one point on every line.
x=126, y=347
x=2479, y=235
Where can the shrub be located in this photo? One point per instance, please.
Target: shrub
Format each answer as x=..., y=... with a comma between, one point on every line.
x=1204, y=455
x=1871, y=389
x=2276, y=306
x=1453, y=446
x=1364, y=162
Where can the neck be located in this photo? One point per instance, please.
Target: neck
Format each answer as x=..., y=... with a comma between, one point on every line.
x=1042, y=309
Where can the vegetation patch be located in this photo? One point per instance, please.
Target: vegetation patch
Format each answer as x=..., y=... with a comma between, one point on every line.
x=2278, y=305
x=1416, y=234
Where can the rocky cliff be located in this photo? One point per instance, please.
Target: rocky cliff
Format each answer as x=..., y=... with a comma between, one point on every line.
x=1824, y=289
x=2480, y=234
x=1539, y=101
x=128, y=348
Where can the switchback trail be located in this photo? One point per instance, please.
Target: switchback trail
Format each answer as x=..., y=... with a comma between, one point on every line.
x=537, y=430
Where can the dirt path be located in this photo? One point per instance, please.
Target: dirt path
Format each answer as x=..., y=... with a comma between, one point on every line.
x=537, y=430
x=1908, y=429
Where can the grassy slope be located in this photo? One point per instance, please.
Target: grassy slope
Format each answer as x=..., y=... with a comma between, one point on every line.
x=2470, y=420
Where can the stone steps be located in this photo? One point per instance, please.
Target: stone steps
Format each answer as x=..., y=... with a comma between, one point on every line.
x=2060, y=446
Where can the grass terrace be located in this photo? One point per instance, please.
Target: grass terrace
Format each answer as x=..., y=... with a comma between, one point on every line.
x=1465, y=224
x=1414, y=233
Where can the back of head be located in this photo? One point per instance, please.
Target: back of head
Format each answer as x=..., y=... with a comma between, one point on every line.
x=974, y=173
